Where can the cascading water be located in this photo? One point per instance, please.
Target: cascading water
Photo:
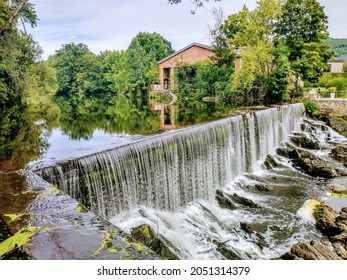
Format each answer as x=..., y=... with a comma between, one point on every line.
x=168, y=171
x=169, y=182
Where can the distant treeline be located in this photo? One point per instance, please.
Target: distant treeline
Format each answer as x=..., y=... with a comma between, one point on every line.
x=339, y=46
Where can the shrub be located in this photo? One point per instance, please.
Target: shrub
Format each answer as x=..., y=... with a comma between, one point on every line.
x=311, y=108
x=338, y=83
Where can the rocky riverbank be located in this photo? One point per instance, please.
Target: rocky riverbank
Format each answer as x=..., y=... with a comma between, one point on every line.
x=334, y=226
x=331, y=223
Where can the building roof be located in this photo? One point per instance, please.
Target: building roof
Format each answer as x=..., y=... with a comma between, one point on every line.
x=336, y=60
x=341, y=58
x=186, y=48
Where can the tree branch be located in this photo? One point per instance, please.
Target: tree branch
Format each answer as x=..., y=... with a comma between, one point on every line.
x=12, y=17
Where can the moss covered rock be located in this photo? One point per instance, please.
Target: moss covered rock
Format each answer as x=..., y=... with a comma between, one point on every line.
x=146, y=235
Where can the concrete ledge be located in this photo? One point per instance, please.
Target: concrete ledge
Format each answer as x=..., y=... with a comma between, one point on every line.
x=61, y=228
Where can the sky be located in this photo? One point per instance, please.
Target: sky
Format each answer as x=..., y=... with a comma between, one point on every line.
x=111, y=24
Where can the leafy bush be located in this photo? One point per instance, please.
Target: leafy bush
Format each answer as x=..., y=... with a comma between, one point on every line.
x=338, y=83
x=311, y=108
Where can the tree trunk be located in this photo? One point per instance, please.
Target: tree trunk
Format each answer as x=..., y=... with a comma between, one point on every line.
x=12, y=18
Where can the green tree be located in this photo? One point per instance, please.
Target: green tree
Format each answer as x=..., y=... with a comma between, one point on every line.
x=116, y=71
x=67, y=62
x=304, y=28
x=41, y=80
x=143, y=54
x=153, y=44
x=17, y=51
x=249, y=36
x=79, y=71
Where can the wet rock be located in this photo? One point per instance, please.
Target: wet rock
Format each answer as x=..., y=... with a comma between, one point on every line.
x=334, y=226
x=316, y=250
x=339, y=153
x=246, y=228
x=326, y=220
x=146, y=235
x=263, y=188
x=223, y=201
x=243, y=201
x=303, y=141
x=337, y=188
x=227, y=251
x=312, y=164
x=270, y=162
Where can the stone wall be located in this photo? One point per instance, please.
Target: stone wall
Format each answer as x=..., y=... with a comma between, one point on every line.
x=337, y=107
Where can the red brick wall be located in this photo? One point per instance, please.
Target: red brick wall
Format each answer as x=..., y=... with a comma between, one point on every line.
x=190, y=56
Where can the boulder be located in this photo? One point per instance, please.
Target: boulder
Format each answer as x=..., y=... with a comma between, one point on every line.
x=315, y=250
x=303, y=141
x=312, y=164
x=339, y=153
x=334, y=226
x=337, y=188
x=223, y=201
x=243, y=201
x=326, y=220
x=264, y=188
x=270, y=162
x=146, y=235
x=227, y=251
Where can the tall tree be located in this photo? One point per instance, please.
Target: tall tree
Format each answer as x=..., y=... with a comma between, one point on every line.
x=116, y=71
x=79, y=71
x=304, y=28
x=143, y=53
x=152, y=43
x=17, y=51
x=249, y=36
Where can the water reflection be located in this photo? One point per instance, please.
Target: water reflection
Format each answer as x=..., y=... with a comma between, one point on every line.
x=28, y=131
x=20, y=139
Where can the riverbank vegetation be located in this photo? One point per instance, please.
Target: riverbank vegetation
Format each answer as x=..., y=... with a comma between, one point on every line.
x=279, y=44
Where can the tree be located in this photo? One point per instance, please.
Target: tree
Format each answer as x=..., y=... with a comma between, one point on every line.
x=153, y=44
x=143, y=53
x=304, y=28
x=17, y=51
x=116, y=71
x=79, y=71
x=249, y=36
x=197, y=3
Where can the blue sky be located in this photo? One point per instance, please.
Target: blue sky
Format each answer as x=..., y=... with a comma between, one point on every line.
x=111, y=24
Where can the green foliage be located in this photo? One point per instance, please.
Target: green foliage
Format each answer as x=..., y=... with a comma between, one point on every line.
x=345, y=67
x=17, y=52
x=153, y=44
x=204, y=79
x=276, y=84
x=311, y=108
x=332, y=89
x=143, y=53
x=303, y=28
x=248, y=35
x=116, y=71
x=41, y=80
x=338, y=83
x=79, y=71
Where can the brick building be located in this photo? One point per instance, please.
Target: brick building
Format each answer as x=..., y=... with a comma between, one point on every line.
x=190, y=54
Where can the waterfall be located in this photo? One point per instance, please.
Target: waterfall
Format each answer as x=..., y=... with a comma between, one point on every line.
x=170, y=170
